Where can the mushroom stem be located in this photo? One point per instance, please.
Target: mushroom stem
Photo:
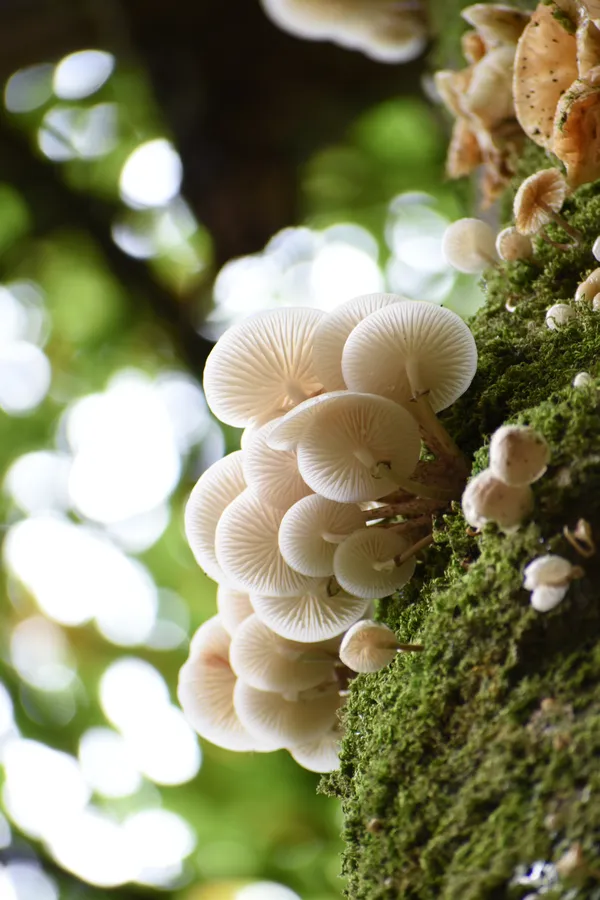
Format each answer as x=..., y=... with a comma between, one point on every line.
x=409, y=648
x=416, y=510
x=412, y=551
x=416, y=487
x=421, y=409
x=556, y=217
x=417, y=522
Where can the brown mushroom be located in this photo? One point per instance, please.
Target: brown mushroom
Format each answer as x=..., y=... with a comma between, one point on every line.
x=496, y=23
x=538, y=201
x=576, y=139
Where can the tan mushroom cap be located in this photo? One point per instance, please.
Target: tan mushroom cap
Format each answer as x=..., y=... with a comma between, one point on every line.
x=496, y=23
x=473, y=46
x=286, y=722
x=272, y=475
x=311, y=530
x=339, y=453
x=538, y=196
x=333, y=330
x=205, y=691
x=588, y=288
x=364, y=564
x=311, y=617
x=452, y=86
x=368, y=646
x=518, y=454
x=262, y=366
x=487, y=499
x=248, y=552
x=464, y=152
x=408, y=349
x=545, y=67
x=214, y=491
x=289, y=429
x=321, y=755
x=489, y=95
x=588, y=46
x=577, y=133
x=469, y=245
x=512, y=245
x=268, y=662
x=233, y=607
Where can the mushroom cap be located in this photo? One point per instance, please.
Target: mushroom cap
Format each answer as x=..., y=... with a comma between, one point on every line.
x=321, y=755
x=248, y=552
x=333, y=330
x=588, y=289
x=311, y=617
x=473, y=46
x=262, y=366
x=545, y=67
x=301, y=539
x=596, y=248
x=545, y=598
x=583, y=380
x=464, y=153
x=213, y=492
x=496, y=23
x=558, y=315
x=338, y=452
x=577, y=132
x=272, y=475
x=547, y=571
x=451, y=86
x=512, y=245
x=286, y=722
x=356, y=563
x=489, y=95
x=205, y=691
x=486, y=499
x=469, y=245
x=588, y=45
x=288, y=430
x=518, y=454
x=545, y=190
x=368, y=646
x=410, y=348
x=233, y=607
x=268, y=662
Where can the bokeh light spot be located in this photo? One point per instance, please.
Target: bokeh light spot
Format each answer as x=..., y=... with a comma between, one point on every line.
x=151, y=175
x=81, y=74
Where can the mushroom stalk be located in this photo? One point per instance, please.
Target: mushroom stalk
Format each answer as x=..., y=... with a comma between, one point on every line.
x=421, y=409
x=412, y=551
x=416, y=487
x=559, y=220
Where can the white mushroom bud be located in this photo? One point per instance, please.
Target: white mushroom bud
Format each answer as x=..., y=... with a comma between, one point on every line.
x=367, y=563
x=469, y=245
x=518, y=454
x=512, y=245
x=559, y=315
x=486, y=499
x=369, y=646
x=583, y=380
x=548, y=571
x=546, y=597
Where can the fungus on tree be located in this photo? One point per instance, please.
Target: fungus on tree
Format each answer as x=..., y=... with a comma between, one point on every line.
x=311, y=617
x=518, y=454
x=369, y=563
x=512, y=245
x=558, y=315
x=469, y=245
x=272, y=475
x=538, y=202
x=369, y=646
x=311, y=530
x=583, y=380
x=286, y=720
x=487, y=499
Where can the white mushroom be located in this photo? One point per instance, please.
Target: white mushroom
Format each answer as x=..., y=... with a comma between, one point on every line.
x=550, y=570
x=288, y=430
x=366, y=564
x=311, y=530
x=518, y=454
x=272, y=475
x=311, y=617
x=469, y=245
x=559, y=315
x=233, y=607
x=486, y=499
x=369, y=646
x=512, y=245
x=545, y=598
x=286, y=721
x=262, y=367
x=268, y=662
x=583, y=380
x=205, y=692
x=214, y=491
x=248, y=552
x=321, y=755
x=596, y=248
x=332, y=333
x=588, y=288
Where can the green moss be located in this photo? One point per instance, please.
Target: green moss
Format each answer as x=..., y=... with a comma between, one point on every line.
x=563, y=19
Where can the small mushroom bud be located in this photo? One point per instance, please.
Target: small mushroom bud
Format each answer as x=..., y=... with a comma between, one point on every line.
x=486, y=499
x=589, y=288
x=518, y=455
x=369, y=646
x=546, y=597
x=512, y=245
x=583, y=380
x=469, y=245
x=559, y=315
x=548, y=571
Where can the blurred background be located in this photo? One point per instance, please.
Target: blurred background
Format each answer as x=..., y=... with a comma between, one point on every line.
x=166, y=169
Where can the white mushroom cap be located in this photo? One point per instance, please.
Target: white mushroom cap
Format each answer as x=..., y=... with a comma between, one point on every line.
x=333, y=331
x=588, y=288
x=288, y=430
x=321, y=755
x=205, y=691
x=233, y=607
x=368, y=646
x=558, y=315
x=268, y=662
x=311, y=617
x=364, y=564
x=518, y=454
x=262, y=366
x=512, y=245
x=338, y=453
x=486, y=499
x=272, y=475
x=311, y=530
x=469, y=245
x=583, y=380
x=286, y=722
x=407, y=349
x=214, y=491
x=596, y=248
x=547, y=571
x=545, y=598
x=248, y=552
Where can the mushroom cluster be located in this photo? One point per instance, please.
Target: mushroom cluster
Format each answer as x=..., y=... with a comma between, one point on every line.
x=480, y=98
x=322, y=511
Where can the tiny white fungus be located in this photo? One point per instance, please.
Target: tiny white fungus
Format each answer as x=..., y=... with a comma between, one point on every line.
x=469, y=245
x=487, y=499
x=583, y=380
x=546, y=597
x=518, y=454
x=559, y=315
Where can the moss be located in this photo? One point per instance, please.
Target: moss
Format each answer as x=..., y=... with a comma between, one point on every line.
x=472, y=776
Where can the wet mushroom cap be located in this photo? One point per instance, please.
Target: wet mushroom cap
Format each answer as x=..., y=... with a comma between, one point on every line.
x=518, y=454
x=212, y=494
x=233, y=607
x=272, y=717
x=364, y=563
x=469, y=245
x=272, y=475
x=539, y=195
x=407, y=349
x=263, y=366
x=311, y=530
x=368, y=646
x=310, y=617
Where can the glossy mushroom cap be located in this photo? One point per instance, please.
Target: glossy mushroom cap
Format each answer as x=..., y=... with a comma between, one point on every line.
x=518, y=454
x=311, y=530
x=365, y=565
x=486, y=499
x=511, y=245
x=408, y=349
x=272, y=475
x=310, y=617
x=285, y=721
x=368, y=646
x=538, y=196
x=262, y=367
x=469, y=245
x=213, y=493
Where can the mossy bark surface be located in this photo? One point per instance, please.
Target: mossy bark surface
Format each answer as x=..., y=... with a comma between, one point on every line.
x=466, y=765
